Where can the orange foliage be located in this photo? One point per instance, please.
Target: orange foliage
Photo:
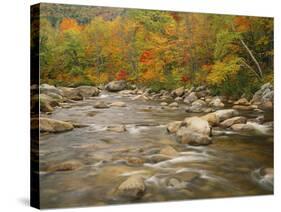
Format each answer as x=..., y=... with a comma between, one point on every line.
x=242, y=23
x=152, y=76
x=69, y=24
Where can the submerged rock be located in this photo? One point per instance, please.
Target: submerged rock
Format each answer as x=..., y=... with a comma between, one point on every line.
x=193, y=138
x=133, y=187
x=168, y=150
x=116, y=128
x=101, y=105
x=54, y=126
x=173, y=127
x=65, y=166
x=251, y=127
x=235, y=120
x=118, y=104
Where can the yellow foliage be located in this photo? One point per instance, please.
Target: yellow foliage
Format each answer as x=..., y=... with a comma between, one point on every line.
x=151, y=75
x=222, y=70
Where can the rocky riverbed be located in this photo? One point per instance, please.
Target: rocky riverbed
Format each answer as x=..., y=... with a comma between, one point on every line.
x=119, y=144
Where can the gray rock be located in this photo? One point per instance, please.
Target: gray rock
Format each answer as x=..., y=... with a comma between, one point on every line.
x=87, y=91
x=115, y=86
x=190, y=98
x=46, y=89
x=216, y=102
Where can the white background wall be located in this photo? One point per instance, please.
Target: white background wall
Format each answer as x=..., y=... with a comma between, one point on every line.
x=14, y=102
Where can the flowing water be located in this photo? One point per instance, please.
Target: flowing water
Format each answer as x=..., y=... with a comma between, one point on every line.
x=222, y=169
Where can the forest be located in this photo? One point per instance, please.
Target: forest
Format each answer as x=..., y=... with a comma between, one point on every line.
x=232, y=55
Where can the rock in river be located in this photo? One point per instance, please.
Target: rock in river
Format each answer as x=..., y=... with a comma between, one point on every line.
x=186, y=136
x=178, y=92
x=54, y=126
x=118, y=104
x=101, y=105
x=197, y=124
x=168, y=150
x=173, y=127
x=116, y=128
x=132, y=188
x=235, y=120
x=65, y=166
x=190, y=98
x=115, y=86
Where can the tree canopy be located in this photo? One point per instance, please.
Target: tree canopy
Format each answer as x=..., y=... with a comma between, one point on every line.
x=160, y=49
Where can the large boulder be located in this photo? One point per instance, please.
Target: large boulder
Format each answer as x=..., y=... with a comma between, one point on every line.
x=47, y=103
x=211, y=118
x=226, y=114
x=264, y=97
x=54, y=126
x=132, y=188
x=235, y=120
x=46, y=89
x=197, y=124
x=187, y=136
x=71, y=93
x=190, y=98
x=87, y=91
x=115, y=86
x=178, y=92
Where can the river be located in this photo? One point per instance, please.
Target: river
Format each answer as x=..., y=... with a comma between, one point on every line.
x=224, y=168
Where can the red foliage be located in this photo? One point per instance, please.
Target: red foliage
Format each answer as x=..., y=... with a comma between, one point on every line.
x=121, y=75
x=184, y=79
x=146, y=57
